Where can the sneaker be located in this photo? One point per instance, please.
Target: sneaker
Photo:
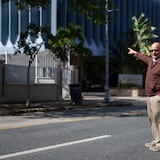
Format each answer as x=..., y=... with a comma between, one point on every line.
x=151, y=144
x=155, y=148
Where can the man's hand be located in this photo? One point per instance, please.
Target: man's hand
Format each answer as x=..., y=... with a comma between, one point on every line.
x=131, y=51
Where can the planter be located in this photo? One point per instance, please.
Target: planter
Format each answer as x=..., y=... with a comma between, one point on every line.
x=132, y=92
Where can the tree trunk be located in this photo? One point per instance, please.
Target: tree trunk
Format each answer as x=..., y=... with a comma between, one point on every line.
x=28, y=85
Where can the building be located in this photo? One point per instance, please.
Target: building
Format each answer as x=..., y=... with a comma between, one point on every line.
x=14, y=21
x=44, y=69
x=121, y=18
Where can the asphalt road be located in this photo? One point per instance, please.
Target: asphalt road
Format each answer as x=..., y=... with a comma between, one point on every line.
x=93, y=134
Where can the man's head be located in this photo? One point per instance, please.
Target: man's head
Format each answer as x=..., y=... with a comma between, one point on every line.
x=155, y=50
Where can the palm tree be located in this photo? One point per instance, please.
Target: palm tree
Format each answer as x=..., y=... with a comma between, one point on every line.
x=69, y=40
x=66, y=43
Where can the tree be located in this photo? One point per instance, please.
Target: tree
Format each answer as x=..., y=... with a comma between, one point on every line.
x=26, y=46
x=68, y=40
x=66, y=43
x=140, y=37
x=143, y=33
x=95, y=9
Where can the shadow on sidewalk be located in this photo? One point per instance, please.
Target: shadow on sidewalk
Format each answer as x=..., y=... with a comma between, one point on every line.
x=107, y=111
x=93, y=105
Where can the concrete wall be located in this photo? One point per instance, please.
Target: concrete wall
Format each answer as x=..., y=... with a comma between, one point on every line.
x=38, y=92
x=18, y=74
x=133, y=92
x=135, y=79
x=45, y=78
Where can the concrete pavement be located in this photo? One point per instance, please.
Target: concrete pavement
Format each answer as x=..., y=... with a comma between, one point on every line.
x=17, y=116
x=90, y=99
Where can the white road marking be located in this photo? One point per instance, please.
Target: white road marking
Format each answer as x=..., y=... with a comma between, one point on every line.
x=52, y=147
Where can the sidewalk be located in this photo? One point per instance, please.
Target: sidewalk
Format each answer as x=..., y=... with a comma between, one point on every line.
x=90, y=100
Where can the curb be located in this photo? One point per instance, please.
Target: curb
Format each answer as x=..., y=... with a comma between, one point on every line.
x=14, y=109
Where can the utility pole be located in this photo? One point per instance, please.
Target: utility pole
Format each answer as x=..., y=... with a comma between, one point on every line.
x=106, y=98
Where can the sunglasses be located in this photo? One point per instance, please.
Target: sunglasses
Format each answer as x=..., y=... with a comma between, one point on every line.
x=154, y=50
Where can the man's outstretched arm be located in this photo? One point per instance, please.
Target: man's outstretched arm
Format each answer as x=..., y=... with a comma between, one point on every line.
x=132, y=51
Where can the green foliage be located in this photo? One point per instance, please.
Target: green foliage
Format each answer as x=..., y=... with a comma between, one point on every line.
x=68, y=40
x=25, y=44
x=95, y=9
x=140, y=38
x=121, y=62
x=143, y=32
x=22, y=4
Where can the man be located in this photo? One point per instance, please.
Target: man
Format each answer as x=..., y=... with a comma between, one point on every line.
x=152, y=88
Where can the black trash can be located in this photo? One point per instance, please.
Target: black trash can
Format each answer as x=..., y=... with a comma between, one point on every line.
x=76, y=94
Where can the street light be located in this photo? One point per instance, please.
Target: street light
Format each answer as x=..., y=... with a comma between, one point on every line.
x=107, y=94
x=106, y=98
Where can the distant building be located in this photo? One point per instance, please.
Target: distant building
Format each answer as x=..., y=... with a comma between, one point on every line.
x=56, y=14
